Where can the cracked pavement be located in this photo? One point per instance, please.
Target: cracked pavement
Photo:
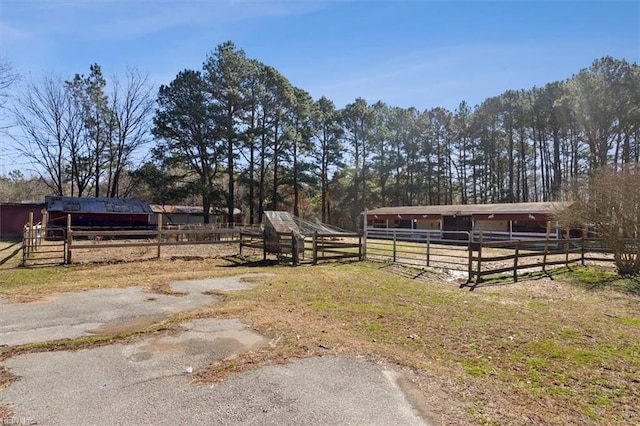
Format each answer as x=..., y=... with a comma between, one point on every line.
x=149, y=381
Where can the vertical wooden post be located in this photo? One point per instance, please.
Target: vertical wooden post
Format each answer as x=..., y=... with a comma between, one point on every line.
x=69, y=240
x=45, y=221
x=264, y=244
x=567, y=247
x=428, y=247
x=515, y=261
x=363, y=241
x=546, y=248
x=582, y=242
x=30, y=245
x=470, y=250
x=479, y=257
x=362, y=249
x=159, y=234
x=314, y=256
x=394, y=246
x=294, y=249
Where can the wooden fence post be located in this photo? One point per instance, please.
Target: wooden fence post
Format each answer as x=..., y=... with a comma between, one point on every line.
x=30, y=245
x=470, y=250
x=362, y=248
x=515, y=262
x=294, y=249
x=159, y=233
x=314, y=256
x=394, y=246
x=69, y=240
x=546, y=248
x=479, y=258
x=264, y=244
x=567, y=247
x=428, y=247
x=363, y=241
x=582, y=250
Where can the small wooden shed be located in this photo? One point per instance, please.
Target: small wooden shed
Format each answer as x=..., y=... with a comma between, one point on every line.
x=281, y=233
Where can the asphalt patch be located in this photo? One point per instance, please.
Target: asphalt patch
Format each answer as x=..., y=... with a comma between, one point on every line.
x=74, y=315
x=150, y=380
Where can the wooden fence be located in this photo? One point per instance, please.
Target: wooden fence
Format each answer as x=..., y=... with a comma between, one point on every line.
x=157, y=238
x=289, y=248
x=418, y=248
x=479, y=257
x=491, y=258
x=292, y=248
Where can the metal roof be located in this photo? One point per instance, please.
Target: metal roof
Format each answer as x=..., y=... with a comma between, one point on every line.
x=278, y=221
x=471, y=209
x=96, y=205
x=194, y=210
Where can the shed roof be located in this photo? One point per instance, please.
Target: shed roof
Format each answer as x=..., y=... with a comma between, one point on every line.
x=96, y=205
x=279, y=221
x=547, y=208
x=194, y=210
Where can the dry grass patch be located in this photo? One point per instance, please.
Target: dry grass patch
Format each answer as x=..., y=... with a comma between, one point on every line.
x=534, y=352
x=20, y=284
x=547, y=351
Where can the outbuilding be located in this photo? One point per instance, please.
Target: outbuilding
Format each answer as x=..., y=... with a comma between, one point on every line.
x=98, y=212
x=457, y=221
x=13, y=217
x=192, y=215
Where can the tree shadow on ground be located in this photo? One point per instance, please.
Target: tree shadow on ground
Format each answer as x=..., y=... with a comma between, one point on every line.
x=593, y=279
x=589, y=278
x=10, y=255
x=236, y=260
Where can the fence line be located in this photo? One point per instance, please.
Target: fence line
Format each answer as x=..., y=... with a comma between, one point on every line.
x=479, y=256
x=521, y=255
x=418, y=248
x=294, y=248
x=161, y=237
x=473, y=253
x=544, y=253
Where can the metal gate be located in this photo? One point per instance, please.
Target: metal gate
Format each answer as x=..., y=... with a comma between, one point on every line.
x=43, y=246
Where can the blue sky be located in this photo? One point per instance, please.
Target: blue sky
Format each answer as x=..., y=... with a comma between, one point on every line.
x=406, y=53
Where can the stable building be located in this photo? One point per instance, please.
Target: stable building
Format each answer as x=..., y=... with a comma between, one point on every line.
x=495, y=221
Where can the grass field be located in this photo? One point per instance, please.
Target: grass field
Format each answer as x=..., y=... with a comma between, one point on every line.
x=559, y=350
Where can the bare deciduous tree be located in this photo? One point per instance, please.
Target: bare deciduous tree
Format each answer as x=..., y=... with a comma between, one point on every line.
x=610, y=203
x=46, y=115
x=7, y=78
x=131, y=110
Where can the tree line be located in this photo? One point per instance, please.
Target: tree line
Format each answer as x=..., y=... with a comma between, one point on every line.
x=238, y=134
x=79, y=139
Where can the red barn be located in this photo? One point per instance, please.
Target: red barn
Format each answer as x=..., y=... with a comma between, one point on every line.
x=13, y=217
